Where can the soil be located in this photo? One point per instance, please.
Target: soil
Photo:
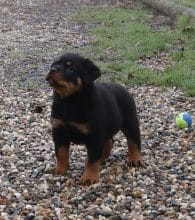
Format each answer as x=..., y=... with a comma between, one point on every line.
x=33, y=33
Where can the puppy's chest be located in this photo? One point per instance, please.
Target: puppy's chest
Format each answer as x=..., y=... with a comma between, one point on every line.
x=74, y=117
x=71, y=111
x=71, y=125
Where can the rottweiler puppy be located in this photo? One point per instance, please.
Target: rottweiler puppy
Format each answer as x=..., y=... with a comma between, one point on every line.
x=90, y=113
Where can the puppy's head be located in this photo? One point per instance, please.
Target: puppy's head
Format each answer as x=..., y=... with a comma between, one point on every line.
x=70, y=73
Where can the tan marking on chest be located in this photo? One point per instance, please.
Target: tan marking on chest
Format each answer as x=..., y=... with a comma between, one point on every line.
x=55, y=122
x=83, y=128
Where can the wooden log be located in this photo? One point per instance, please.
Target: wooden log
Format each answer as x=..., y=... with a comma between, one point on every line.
x=169, y=8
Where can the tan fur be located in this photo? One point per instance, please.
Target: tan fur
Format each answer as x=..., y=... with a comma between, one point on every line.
x=133, y=152
x=68, y=63
x=55, y=122
x=62, y=160
x=83, y=128
x=91, y=172
x=67, y=88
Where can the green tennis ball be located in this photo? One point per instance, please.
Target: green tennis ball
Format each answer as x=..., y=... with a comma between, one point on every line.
x=183, y=120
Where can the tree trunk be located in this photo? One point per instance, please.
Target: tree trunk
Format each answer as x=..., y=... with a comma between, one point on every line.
x=169, y=8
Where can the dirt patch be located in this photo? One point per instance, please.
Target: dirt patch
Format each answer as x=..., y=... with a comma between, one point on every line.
x=158, y=21
x=33, y=33
x=157, y=63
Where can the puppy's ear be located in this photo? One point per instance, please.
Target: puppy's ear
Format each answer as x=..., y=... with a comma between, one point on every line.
x=91, y=71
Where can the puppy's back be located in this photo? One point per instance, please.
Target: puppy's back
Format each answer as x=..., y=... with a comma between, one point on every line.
x=117, y=93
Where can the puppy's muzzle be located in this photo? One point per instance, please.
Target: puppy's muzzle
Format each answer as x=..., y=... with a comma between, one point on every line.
x=51, y=73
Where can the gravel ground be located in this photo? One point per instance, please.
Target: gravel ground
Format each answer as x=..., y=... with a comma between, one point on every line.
x=162, y=189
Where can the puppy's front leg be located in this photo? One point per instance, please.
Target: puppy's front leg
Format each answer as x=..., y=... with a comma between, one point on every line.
x=62, y=159
x=92, y=165
x=61, y=150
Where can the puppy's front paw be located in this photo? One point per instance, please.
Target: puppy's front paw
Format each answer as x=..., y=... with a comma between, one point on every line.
x=60, y=171
x=135, y=163
x=90, y=174
x=88, y=180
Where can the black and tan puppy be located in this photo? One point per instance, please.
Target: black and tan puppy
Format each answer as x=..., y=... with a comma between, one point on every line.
x=85, y=112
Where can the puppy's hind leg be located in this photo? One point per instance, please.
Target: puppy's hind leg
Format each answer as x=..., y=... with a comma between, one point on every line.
x=107, y=147
x=132, y=132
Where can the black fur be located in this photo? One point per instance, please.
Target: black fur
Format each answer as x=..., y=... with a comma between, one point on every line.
x=104, y=108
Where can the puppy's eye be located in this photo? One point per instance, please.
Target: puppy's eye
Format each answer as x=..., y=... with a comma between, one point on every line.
x=69, y=68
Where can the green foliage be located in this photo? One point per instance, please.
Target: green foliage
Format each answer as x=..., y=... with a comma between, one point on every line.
x=27, y=84
x=123, y=36
x=186, y=3
x=17, y=54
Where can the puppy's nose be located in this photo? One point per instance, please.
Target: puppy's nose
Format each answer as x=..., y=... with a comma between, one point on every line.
x=48, y=77
x=51, y=71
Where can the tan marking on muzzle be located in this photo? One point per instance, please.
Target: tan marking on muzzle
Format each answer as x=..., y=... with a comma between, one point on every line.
x=67, y=88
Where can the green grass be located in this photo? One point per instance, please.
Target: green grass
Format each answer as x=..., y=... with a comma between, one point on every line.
x=27, y=84
x=17, y=54
x=186, y=3
x=123, y=36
